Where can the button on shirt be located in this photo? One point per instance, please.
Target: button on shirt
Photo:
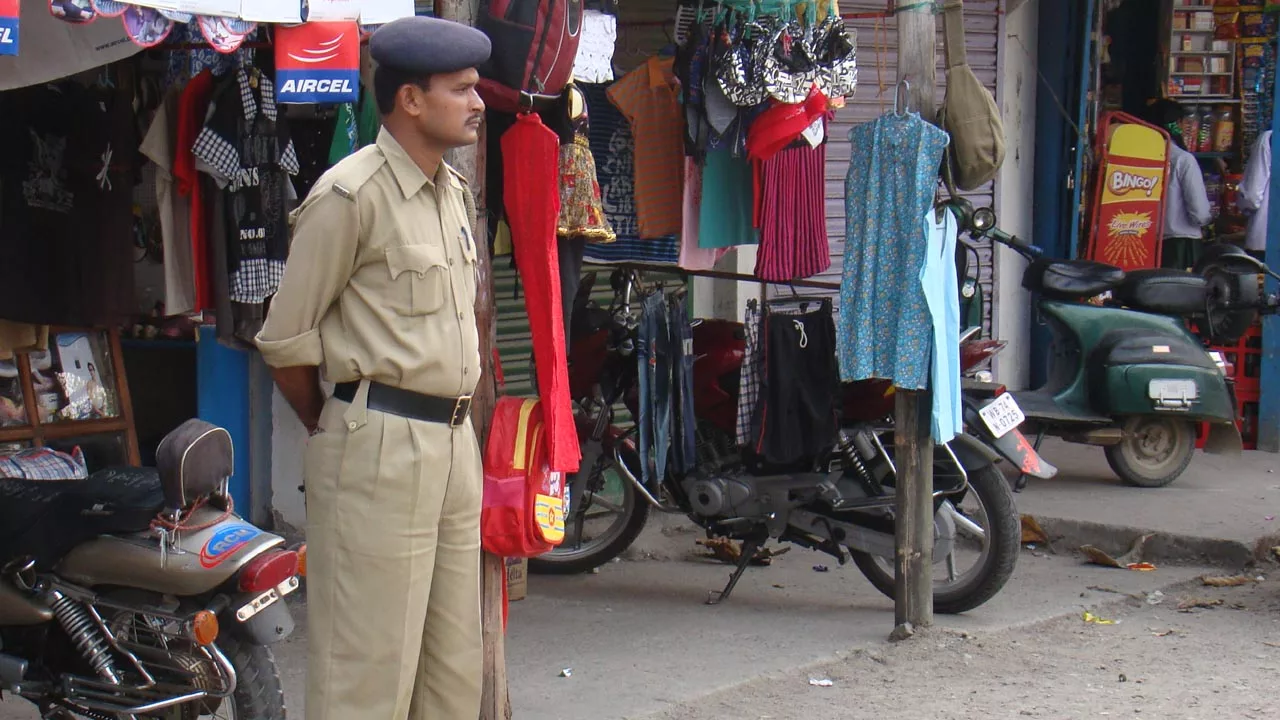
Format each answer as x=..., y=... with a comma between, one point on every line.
x=381, y=278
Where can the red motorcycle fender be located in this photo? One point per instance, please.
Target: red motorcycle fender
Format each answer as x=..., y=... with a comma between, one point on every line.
x=1015, y=448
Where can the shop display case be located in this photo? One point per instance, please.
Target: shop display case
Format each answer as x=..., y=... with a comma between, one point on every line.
x=73, y=393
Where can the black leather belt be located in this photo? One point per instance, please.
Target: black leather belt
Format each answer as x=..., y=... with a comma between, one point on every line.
x=406, y=403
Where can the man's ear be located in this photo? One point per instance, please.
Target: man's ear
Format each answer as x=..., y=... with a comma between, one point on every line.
x=410, y=99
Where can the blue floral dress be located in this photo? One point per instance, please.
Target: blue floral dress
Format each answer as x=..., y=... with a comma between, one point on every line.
x=884, y=328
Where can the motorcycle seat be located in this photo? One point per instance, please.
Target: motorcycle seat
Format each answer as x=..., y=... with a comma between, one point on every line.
x=47, y=518
x=1071, y=279
x=1166, y=292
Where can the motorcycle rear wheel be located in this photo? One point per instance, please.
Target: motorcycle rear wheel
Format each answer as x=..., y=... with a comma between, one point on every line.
x=1003, y=531
x=258, y=694
x=1155, y=450
x=603, y=547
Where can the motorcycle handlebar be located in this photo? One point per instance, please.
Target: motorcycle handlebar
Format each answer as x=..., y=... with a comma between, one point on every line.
x=1024, y=248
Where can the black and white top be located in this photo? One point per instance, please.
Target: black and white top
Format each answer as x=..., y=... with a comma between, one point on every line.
x=246, y=147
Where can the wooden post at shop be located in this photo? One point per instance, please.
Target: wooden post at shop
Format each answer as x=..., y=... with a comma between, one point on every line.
x=495, y=703
x=913, y=446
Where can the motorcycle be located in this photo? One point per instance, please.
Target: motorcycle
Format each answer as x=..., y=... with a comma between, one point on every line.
x=139, y=593
x=842, y=504
x=1127, y=372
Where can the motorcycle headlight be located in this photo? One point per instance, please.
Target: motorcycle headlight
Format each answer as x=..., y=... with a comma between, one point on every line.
x=983, y=220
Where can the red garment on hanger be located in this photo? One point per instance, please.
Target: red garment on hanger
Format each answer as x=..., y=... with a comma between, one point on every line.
x=530, y=168
x=776, y=127
x=192, y=107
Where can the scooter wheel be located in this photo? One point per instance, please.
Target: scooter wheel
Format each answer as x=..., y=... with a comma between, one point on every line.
x=1154, y=452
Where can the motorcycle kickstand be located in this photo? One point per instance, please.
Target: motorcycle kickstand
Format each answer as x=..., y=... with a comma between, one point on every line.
x=1021, y=482
x=749, y=548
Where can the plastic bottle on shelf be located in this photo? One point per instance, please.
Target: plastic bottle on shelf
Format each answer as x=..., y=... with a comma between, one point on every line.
x=1205, y=136
x=1224, y=129
x=1191, y=129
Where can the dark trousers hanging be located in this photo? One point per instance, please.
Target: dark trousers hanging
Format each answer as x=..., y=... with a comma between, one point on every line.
x=802, y=385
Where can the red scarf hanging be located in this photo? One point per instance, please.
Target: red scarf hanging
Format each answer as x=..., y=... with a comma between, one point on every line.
x=531, y=162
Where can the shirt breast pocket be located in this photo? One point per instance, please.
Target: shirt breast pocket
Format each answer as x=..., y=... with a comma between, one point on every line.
x=419, y=279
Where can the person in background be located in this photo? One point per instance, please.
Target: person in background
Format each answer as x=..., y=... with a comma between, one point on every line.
x=1186, y=202
x=1255, y=195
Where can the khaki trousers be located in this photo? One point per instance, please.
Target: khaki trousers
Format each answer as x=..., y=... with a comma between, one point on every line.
x=393, y=571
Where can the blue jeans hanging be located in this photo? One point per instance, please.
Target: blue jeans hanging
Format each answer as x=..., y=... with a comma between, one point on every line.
x=686, y=423
x=654, y=357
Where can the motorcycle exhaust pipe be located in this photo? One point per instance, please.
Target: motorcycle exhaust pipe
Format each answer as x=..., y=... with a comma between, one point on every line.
x=13, y=671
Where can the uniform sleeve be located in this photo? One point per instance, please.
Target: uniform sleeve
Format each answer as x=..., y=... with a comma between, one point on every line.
x=322, y=257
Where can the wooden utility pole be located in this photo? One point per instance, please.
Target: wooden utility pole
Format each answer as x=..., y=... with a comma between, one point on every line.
x=495, y=702
x=913, y=596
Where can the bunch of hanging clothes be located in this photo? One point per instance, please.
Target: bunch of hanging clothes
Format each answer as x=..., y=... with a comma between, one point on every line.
x=789, y=393
x=757, y=93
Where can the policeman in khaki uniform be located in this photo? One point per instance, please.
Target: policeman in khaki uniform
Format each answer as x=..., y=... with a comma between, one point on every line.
x=378, y=293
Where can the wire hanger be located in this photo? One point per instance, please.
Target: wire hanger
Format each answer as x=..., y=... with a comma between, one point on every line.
x=902, y=98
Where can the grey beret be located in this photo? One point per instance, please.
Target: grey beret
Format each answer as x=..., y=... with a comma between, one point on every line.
x=428, y=45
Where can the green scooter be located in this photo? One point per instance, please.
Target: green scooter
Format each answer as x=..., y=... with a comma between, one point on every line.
x=1126, y=372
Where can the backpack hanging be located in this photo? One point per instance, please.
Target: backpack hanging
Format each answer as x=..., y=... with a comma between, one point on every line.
x=535, y=44
x=968, y=113
x=523, y=512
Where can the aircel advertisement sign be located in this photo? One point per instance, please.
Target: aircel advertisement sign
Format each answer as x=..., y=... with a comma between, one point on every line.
x=318, y=62
x=8, y=27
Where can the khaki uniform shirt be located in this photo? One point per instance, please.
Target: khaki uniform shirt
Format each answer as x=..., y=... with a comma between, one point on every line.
x=381, y=278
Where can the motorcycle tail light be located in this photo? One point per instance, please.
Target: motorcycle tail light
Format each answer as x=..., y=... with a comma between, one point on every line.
x=204, y=627
x=268, y=571
x=302, y=560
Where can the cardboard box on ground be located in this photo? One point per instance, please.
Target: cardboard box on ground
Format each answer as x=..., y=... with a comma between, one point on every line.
x=517, y=578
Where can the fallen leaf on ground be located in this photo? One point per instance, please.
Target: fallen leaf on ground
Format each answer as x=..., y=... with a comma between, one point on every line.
x=1098, y=556
x=1032, y=532
x=1193, y=603
x=1141, y=567
x=1091, y=618
x=1165, y=633
x=730, y=551
x=1271, y=644
x=1230, y=581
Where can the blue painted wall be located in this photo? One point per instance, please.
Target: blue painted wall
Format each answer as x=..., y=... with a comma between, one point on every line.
x=222, y=376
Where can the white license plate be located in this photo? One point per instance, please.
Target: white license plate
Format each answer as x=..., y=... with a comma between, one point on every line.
x=1002, y=415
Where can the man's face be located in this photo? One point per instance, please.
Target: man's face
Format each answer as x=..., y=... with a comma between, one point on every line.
x=448, y=113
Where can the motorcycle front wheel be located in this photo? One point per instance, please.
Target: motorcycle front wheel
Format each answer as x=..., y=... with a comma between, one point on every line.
x=606, y=514
x=988, y=526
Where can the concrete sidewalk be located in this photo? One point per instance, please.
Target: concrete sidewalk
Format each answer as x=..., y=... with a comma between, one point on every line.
x=1223, y=510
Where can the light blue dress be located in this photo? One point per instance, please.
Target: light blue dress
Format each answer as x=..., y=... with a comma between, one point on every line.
x=884, y=328
x=942, y=295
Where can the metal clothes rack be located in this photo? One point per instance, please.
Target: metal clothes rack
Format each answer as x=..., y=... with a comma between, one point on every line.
x=723, y=275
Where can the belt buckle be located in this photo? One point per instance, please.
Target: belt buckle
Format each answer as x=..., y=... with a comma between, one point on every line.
x=461, y=409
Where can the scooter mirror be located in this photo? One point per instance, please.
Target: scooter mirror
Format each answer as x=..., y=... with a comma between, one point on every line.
x=984, y=219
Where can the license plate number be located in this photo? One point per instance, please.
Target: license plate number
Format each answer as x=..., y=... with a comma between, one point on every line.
x=1002, y=415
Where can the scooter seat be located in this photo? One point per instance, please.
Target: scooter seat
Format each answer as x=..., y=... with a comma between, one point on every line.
x=1167, y=292
x=1071, y=279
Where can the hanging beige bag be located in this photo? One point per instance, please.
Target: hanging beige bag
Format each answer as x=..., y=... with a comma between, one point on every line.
x=968, y=113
